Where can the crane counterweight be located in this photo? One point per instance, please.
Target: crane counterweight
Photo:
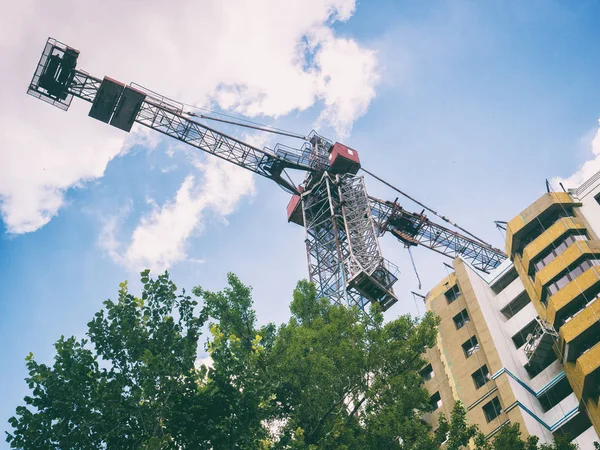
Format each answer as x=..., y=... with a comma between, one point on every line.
x=106, y=101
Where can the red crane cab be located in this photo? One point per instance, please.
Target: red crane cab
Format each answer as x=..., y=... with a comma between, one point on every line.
x=294, y=209
x=343, y=159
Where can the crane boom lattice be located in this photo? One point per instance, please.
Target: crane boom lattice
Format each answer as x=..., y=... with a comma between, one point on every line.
x=414, y=229
x=342, y=222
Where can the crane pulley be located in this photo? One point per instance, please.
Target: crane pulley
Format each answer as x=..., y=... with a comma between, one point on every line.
x=342, y=222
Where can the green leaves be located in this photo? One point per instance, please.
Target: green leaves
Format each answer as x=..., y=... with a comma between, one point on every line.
x=121, y=387
x=348, y=381
x=329, y=378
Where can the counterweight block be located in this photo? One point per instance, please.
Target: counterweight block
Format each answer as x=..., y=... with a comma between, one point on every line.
x=117, y=104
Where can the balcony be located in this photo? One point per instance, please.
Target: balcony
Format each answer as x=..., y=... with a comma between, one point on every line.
x=562, y=264
x=520, y=320
x=548, y=237
x=547, y=210
x=512, y=291
x=587, y=367
x=573, y=297
x=581, y=333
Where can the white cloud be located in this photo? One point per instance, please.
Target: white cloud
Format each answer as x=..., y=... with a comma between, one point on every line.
x=168, y=169
x=588, y=168
x=342, y=109
x=207, y=361
x=107, y=239
x=160, y=239
x=261, y=57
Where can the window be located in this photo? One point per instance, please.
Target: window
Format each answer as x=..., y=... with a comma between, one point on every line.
x=471, y=346
x=520, y=302
x=520, y=338
x=542, y=223
x=586, y=346
x=569, y=276
x=481, y=376
x=597, y=198
x=556, y=250
x=492, y=409
x=461, y=319
x=452, y=294
x=435, y=401
x=505, y=280
x=427, y=373
x=577, y=305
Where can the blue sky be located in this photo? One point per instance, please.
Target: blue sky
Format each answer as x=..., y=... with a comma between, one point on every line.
x=468, y=106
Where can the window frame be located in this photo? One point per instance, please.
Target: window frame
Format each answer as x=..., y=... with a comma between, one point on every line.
x=464, y=319
x=569, y=275
x=557, y=249
x=427, y=374
x=485, y=377
x=473, y=349
x=455, y=290
x=495, y=409
x=437, y=404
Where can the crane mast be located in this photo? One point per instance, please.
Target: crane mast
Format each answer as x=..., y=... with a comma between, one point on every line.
x=342, y=223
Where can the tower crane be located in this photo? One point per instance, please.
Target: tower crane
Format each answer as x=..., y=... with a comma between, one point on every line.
x=342, y=222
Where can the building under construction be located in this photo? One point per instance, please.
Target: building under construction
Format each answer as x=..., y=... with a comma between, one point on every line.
x=522, y=343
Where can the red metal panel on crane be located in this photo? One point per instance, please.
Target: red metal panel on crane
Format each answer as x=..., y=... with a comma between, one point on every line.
x=343, y=159
x=294, y=209
x=127, y=108
x=106, y=99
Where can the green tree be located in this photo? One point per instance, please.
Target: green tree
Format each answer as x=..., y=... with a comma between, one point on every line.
x=125, y=386
x=509, y=438
x=237, y=395
x=346, y=381
x=329, y=378
x=456, y=433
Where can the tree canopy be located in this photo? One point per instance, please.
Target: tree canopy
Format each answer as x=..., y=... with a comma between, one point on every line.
x=331, y=377
x=455, y=433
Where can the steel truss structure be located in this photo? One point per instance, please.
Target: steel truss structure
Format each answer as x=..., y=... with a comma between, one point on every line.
x=167, y=117
x=341, y=221
x=344, y=257
x=414, y=229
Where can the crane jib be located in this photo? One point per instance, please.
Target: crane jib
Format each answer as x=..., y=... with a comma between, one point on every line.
x=342, y=222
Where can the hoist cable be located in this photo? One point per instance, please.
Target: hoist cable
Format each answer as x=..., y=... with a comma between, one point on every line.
x=412, y=260
x=444, y=218
x=246, y=125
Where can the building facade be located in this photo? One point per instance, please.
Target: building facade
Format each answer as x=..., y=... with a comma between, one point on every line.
x=522, y=344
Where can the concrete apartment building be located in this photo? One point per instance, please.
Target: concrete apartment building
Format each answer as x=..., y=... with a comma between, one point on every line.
x=522, y=344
